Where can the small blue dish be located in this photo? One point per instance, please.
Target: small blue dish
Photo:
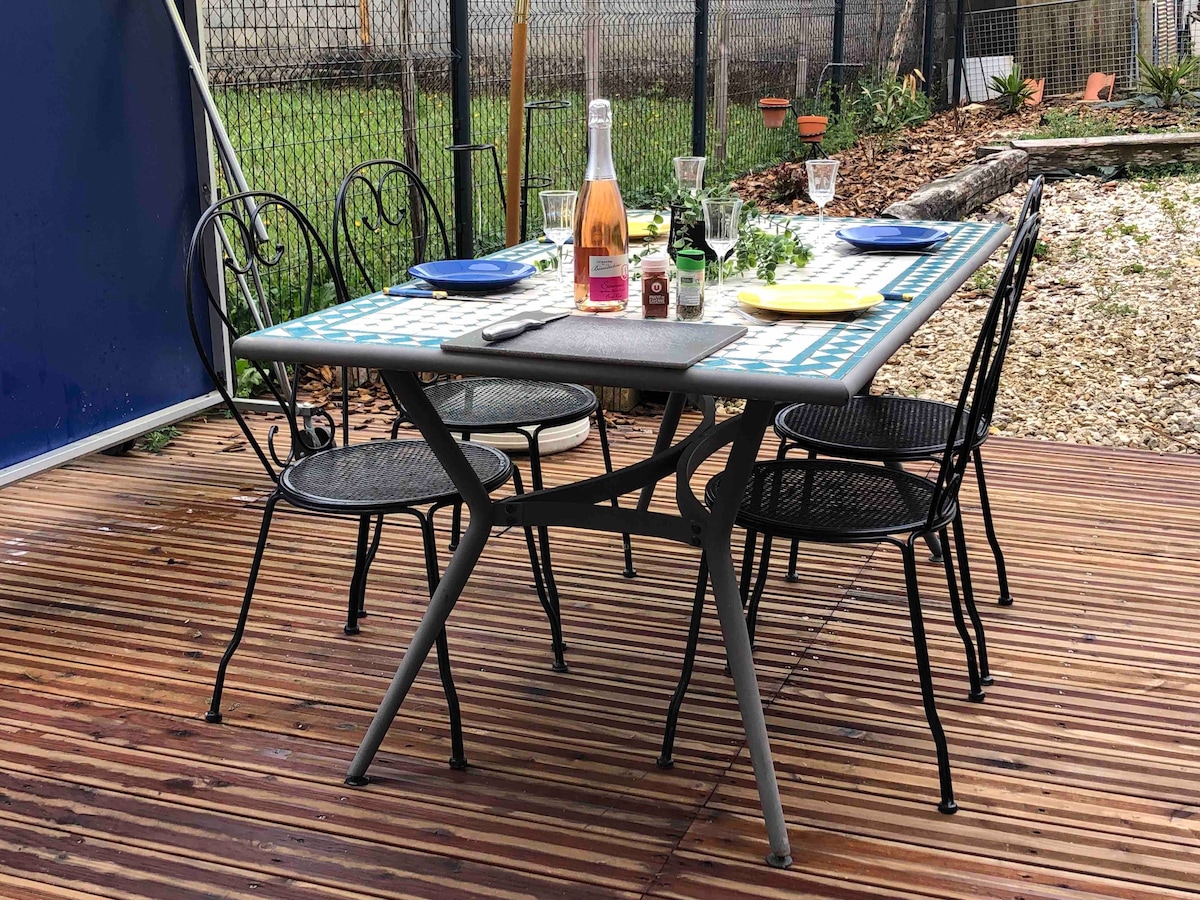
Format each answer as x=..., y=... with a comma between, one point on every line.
x=893, y=237
x=472, y=274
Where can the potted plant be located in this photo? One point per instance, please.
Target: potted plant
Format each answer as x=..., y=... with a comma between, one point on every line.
x=774, y=110
x=812, y=120
x=687, y=223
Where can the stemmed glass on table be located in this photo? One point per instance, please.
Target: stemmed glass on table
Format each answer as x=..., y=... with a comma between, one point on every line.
x=721, y=220
x=558, y=220
x=822, y=179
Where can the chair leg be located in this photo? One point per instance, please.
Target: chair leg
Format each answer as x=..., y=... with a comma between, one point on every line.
x=556, y=642
x=976, y=695
x=747, y=566
x=985, y=506
x=760, y=582
x=665, y=758
x=793, y=555
x=602, y=430
x=968, y=591
x=947, y=804
x=458, y=754
x=371, y=553
x=543, y=534
x=358, y=584
x=456, y=516
x=214, y=708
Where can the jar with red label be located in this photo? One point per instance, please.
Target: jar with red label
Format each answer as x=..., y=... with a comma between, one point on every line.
x=656, y=293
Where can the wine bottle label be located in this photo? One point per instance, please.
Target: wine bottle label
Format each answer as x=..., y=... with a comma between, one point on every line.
x=608, y=277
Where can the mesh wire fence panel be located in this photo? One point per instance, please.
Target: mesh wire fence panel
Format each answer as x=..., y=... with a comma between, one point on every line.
x=309, y=88
x=1062, y=41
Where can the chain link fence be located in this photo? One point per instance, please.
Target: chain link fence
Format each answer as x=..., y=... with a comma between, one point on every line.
x=309, y=88
x=1062, y=41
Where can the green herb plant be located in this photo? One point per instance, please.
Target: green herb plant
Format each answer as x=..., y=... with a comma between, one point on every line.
x=1011, y=90
x=155, y=441
x=1167, y=85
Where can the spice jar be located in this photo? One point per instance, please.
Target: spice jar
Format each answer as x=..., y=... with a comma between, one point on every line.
x=656, y=296
x=689, y=294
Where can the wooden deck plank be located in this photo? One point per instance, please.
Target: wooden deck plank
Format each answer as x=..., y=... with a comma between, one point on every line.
x=119, y=580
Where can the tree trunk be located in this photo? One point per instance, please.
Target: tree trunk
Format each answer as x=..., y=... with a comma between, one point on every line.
x=900, y=41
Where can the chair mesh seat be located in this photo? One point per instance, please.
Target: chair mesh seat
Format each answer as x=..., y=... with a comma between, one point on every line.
x=383, y=475
x=504, y=404
x=831, y=500
x=872, y=427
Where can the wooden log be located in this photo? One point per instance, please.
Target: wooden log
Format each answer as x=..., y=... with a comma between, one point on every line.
x=1114, y=150
x=956, y=195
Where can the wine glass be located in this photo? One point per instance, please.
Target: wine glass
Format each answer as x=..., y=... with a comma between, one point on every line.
x=689, y=173
x=721, y=220
x=822, y=179
x=558, y=220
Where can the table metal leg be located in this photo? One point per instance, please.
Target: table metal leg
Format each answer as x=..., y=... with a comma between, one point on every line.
x=728, y=600
x=470, y=548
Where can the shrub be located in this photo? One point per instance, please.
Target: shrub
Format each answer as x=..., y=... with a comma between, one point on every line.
x=1168, y=83
x=1011, y=90
x=888, y=103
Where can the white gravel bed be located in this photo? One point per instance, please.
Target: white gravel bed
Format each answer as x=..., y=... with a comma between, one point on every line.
x=1107, y=344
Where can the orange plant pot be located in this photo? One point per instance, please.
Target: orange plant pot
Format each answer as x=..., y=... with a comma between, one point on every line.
x=774, y=110
x=812, y=128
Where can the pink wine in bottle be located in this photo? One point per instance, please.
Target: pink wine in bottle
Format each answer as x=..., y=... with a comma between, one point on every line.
x=601, y=239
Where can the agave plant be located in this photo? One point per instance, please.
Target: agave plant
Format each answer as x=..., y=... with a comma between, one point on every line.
x=1169, y=83
x=1011, y=90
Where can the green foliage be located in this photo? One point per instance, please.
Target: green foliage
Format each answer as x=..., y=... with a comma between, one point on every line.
x=1073, y=123
x=763, y=250
x=155, y=441
x=1011, y=90
x=249, y=380
x=1168, y=83
x=887, y=103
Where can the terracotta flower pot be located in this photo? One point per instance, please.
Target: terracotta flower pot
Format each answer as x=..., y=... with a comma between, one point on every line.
x=774, y=110
x=812, y=128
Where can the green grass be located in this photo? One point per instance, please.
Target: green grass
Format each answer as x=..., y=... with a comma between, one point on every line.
x=302, y=141
x=1058, y=123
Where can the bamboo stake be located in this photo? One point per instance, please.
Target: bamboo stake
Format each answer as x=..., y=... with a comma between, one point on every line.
x=516, y=118
x=364, y=22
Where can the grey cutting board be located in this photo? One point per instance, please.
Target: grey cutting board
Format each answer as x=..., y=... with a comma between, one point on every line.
x=661, y=343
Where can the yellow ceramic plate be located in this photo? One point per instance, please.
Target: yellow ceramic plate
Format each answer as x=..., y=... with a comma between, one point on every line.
x=808, y=298
x=640, y=222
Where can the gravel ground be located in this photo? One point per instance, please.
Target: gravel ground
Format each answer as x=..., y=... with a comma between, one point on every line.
x=1107, y=345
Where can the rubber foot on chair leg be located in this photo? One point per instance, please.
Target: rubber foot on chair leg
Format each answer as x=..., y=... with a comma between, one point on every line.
x=937, y=558
x=1006, y=600
x=350, y=629
x=775, y=861
x=560, y=666
x=948, y=807
x=362, y=614
x=976, y=697
x=452, y=546
x=212, y=716
x=665, y=762
x=791, y=578
x=358, y=780
x=630, y=573
x=986, y=680
x=458, y=763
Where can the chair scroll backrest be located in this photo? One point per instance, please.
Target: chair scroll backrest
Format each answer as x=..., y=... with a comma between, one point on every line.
x=982, y=381
x=384, y=220
x=276, y=280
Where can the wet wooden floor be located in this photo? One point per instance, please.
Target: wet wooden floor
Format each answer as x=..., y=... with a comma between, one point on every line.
x=119, y=583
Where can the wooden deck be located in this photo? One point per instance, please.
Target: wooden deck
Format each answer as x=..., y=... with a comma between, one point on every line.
x=120, y=580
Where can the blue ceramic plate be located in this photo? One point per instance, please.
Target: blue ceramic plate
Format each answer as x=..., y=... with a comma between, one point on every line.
x=893, y=237
x=471, y=274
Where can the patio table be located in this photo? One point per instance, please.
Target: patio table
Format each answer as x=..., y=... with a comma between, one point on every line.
x=783, y=362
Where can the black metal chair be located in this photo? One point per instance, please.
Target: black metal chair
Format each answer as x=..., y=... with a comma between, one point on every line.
x=310, y=472
x=892, y=430
x=844, y=502
x=387, y=193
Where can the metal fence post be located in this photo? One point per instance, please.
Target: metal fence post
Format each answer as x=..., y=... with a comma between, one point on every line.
x=838, y=55
x=927, y=55
x=700, y=79
x=460, y=128
x=960, y=48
